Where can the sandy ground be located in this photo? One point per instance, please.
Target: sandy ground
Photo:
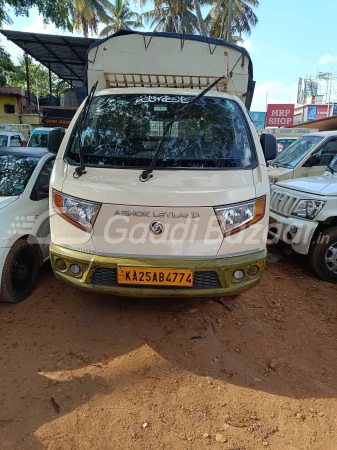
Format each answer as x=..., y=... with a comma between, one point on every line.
x=257, y=371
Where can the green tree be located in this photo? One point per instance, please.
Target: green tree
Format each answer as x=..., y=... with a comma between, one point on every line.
x=243, y=18
x=121, y=17
x=39, y=78
x=201, y=23
x=173, y=16
x=6, y=67
x=89, y=13
x=58, y=12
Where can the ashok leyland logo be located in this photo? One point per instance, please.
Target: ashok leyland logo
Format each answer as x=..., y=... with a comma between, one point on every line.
x=157, y=227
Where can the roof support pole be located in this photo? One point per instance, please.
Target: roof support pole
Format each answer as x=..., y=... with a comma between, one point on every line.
x=50, y=86
x=27, y=78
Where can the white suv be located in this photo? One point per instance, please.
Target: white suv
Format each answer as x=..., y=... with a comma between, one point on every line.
x=24, y=219
x=303, y=214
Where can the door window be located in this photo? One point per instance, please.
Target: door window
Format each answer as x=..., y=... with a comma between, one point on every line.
x=325, y=154
x=16, y=141
x=42, y=182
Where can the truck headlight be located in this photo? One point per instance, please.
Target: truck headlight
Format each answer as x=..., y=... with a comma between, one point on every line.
x=234, y=218
x=79, y=212
x=308, y=209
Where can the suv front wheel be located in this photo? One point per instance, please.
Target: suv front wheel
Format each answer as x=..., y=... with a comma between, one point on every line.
x=323, y=255
x=20, y=272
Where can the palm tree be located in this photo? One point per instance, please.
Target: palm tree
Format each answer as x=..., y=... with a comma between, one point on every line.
x=173, y=17
x=243, y=18
x=201, y=23
x=88, y=14
x=121, y=17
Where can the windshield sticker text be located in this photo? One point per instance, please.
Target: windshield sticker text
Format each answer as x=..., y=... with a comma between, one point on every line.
x=162, y=99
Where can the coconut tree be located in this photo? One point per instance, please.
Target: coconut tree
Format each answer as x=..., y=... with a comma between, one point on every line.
x=121, y=17
x=243, y=18
x=177, y=17
x=88, y=14
x=201, y=23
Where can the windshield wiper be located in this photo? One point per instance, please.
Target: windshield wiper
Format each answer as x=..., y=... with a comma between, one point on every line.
x=79, y=171
x=147, y=173
x=284, y=165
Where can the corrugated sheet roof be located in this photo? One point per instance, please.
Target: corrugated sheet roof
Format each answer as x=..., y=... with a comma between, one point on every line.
x=65, y=55
x=325, y=124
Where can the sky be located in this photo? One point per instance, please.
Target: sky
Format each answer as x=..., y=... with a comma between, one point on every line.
x=293, y=38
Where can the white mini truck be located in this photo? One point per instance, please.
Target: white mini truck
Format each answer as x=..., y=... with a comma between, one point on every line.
x=303, y=215
x=160, y=187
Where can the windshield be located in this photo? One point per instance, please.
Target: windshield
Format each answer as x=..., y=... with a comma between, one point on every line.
x=39, y=139
x=296, y=151
x=3, y=140
x=15, y=172
x=124, y=131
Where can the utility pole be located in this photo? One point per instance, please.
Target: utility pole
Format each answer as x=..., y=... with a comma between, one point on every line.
x=229, y=18
x=37, y=96
x=330, y=79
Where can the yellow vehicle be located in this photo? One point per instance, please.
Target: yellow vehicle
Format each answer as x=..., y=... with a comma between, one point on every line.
x=308, y=156
x=160, y=185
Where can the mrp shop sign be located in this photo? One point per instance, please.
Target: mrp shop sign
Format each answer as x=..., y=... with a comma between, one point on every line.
x=280, y=115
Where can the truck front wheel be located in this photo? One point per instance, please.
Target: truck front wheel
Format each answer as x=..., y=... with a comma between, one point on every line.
x=323, y=255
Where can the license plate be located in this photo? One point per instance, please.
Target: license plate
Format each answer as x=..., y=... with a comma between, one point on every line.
x=272, y=220
x=155, y=276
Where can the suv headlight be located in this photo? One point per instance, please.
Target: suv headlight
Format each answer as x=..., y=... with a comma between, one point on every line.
x=234, y=218
x=308, y=209
x=80, y=213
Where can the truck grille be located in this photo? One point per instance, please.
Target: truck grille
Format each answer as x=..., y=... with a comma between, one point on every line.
x=202, y=280
x=282, y=204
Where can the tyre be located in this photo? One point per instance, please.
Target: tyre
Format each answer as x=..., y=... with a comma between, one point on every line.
x=20, y=272
x=323, y=255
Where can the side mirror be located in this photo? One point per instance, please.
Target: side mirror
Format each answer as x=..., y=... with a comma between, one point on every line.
x=54, y=139
x=269, y=146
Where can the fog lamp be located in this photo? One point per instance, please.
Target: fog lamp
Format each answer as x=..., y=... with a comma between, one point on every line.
x=238, y=274
x=60, y=264
x=75, y=269
x=253, y=270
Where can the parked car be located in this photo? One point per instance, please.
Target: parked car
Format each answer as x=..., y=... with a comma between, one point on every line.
x=39, y=137
x=303, y=214
x=12, y=139
x=24, y=218
x=307, y=156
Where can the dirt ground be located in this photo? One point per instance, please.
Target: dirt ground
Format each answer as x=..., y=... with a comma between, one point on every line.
x=256, y=371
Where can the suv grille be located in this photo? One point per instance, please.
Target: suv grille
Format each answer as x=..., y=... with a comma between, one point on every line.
x=282, y=204
x=202, y=280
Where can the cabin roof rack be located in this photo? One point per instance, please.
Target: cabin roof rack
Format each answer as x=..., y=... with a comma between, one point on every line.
x=125, y=80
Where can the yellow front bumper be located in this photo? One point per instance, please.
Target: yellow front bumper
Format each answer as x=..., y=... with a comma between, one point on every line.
x=213, y=277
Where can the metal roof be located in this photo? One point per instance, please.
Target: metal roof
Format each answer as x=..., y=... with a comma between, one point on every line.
x=65, y=55
x=325, y=124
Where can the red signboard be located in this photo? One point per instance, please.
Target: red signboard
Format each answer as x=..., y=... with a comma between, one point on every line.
x=280, y=115
x=322, y=111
